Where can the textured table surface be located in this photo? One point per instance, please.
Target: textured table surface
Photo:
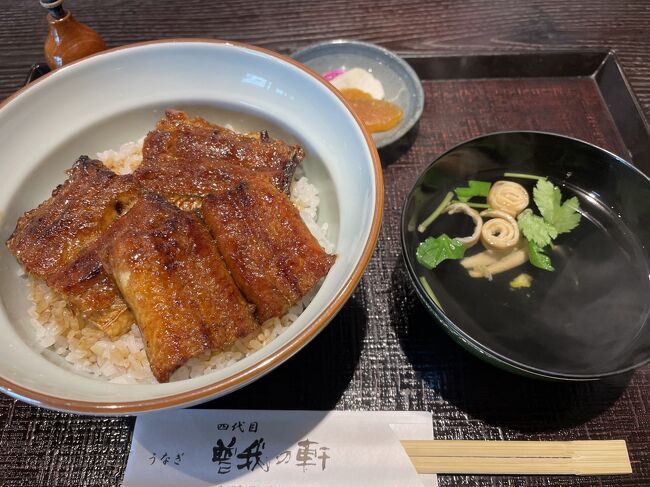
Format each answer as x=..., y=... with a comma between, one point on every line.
x=382, y=351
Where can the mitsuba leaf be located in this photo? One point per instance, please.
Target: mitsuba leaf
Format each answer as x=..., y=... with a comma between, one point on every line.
x=547, y=197
x=563, y=216
x=535, y=228
x=538, y=258
x=433, y=251
x=473, y=188
x=566, y=217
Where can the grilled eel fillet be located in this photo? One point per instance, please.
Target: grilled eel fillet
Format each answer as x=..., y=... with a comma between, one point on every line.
x=183, y=155
x=170, y=272
x=57, y=242
x=270, y=252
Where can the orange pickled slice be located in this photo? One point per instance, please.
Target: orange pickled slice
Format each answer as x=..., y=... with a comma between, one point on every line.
x=377, y=115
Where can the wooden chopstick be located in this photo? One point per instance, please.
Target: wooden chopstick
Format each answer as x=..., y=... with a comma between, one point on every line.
x=594, y=457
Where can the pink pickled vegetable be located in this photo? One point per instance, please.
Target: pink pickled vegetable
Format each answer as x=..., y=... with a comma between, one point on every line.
x=330, y=75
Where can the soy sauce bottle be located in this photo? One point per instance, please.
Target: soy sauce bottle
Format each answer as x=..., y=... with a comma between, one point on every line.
x=67, y=39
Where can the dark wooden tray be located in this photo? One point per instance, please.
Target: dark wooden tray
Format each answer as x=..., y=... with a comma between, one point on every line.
x=383, y=351
x=581, y=94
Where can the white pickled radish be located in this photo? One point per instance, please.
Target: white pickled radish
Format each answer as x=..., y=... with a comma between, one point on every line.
x=361, y=80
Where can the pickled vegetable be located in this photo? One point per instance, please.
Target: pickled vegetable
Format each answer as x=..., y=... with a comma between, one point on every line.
x=376, y=115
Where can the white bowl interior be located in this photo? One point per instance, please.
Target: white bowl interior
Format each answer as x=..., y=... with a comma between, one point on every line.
x=117, y=97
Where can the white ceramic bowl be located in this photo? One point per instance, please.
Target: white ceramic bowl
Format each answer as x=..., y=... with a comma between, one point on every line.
x=115, y=97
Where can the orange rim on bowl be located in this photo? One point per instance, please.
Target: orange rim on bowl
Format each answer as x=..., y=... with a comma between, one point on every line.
x=244, y=377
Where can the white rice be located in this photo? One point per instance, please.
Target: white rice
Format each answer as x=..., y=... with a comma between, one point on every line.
x=87, y=349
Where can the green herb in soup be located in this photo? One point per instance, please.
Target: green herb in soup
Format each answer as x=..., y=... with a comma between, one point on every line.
x=557, y=218
x=522, y=175
x=473, y=188
x=563, y=216
x=429, y=291
x=508, y=227
x=436, y=213
x=535, y=228
x=433, y=251
x=538, y=258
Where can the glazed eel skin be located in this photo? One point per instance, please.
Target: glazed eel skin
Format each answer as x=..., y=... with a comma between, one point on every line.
x=58, y=242
x=187, y=157
x=170, y=272
x=119, y=252
x=270, y=252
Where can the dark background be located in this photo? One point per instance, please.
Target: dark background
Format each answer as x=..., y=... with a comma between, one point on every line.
x=383, y=351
